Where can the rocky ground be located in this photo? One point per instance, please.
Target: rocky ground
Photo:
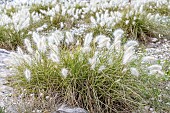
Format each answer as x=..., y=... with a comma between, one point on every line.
x=160, y=49
x=4, y=72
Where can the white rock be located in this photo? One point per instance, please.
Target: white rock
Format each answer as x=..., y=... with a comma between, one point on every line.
x=64, y=109
x=154, y=39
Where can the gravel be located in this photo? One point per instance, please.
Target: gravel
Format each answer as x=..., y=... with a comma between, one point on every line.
x=4, y=72
x=159, y=49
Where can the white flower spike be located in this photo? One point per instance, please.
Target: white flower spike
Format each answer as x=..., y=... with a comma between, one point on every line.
x=134, y=71
x=64, y=72
x=27, y=73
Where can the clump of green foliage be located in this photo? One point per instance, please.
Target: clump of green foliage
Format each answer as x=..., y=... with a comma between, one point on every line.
x=109, y=90
x=153, y=8
x=10, y=39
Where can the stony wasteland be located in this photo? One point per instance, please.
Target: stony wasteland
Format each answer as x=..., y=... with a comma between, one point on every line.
x=84, y=56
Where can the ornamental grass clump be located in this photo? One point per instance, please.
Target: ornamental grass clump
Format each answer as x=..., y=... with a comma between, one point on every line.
x=98, y=74
x=134, y=19
x=160, y=7
x=10, y=39
x=135, y=23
